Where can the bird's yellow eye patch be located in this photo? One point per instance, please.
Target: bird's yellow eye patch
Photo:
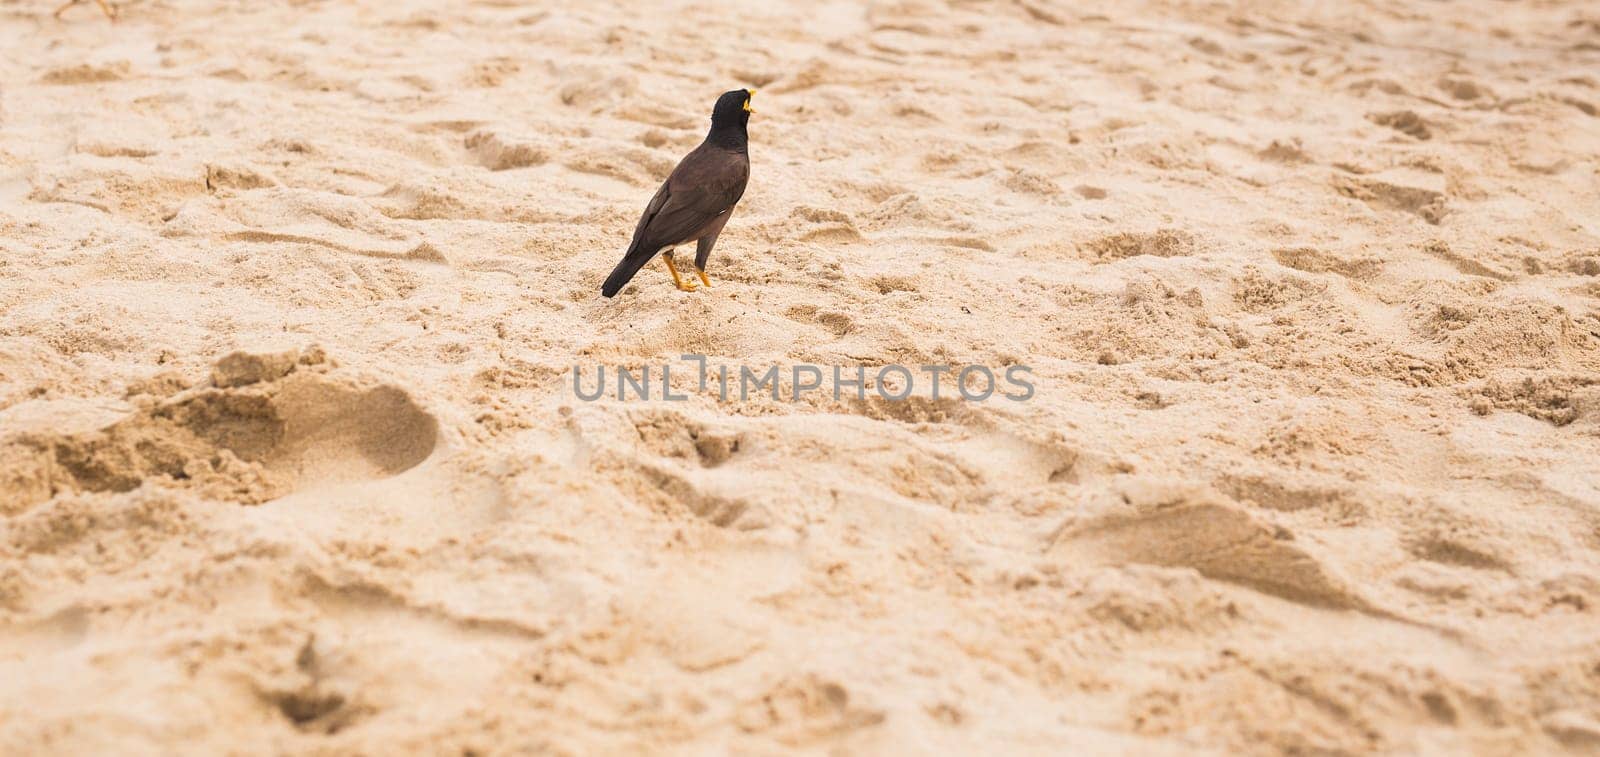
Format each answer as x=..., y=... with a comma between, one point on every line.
x=747, y=107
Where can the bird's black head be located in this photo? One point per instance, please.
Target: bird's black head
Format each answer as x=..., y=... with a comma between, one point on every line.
x=733, y=109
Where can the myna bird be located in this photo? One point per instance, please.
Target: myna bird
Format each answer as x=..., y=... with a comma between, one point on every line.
x=106, y=8
x=697, y=198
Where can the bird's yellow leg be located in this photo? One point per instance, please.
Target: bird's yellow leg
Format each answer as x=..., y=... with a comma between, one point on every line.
x=703, y=278
x=676, y=279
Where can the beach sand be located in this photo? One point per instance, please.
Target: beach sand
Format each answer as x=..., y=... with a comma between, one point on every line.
x=291, y=462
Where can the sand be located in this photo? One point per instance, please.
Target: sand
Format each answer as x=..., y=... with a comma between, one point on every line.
x=291, y=294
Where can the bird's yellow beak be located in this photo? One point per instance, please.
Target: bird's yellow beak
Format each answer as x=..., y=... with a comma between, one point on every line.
x=747, y=108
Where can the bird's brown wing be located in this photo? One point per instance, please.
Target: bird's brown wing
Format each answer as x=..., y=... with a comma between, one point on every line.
x=707, y=184
x=650, y=211
x=704, y=187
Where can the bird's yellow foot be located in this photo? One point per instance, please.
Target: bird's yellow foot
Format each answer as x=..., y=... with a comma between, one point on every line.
x=703, y=278
x=683, y=286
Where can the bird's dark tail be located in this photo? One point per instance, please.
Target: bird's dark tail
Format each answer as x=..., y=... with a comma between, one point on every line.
x=632, y=261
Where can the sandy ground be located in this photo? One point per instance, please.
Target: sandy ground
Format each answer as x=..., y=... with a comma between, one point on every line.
x=290, y=461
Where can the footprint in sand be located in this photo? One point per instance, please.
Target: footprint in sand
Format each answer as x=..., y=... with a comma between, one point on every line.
x=297, y=216
x=1411, y=191
x=1170, y=527
x=1161, y=243
x=265, y=425
x=811, y=224
x=805, y=711
x=499, y=153
x=1313, y=260
x=87, y=73
x=1404, y=121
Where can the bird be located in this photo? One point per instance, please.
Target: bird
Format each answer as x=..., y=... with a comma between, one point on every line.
x=696, y=200
x=106, y=8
